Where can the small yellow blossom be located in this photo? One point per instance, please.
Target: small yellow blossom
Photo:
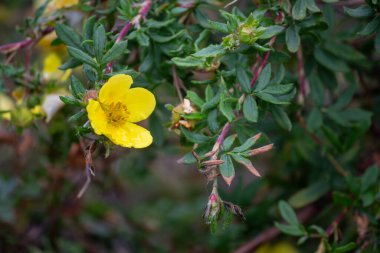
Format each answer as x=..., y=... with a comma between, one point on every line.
x=117, y=108
x=60, y=4
x=280, y=247
x=50, y=70
x=46, y=47
x=6, y=106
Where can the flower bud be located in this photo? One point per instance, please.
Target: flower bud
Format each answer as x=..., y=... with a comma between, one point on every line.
x=230, y=42
x=90, y=94
x=213, y=208
x=22, y=116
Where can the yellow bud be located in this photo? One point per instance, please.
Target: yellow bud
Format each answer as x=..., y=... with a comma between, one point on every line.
x=6, y=104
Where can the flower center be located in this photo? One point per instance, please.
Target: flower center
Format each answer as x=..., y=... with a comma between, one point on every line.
x=117, y=113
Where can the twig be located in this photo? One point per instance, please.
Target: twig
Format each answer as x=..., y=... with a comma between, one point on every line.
x=135, y=22
x=177, y=83
x=303, y=82
x=15, y=46
x=263, y=63
x=89, y=166
x=272, y=232
x=335, y=223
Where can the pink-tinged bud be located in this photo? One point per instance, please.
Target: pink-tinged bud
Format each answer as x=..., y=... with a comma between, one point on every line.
x=260, y=150
x=213, y=198
x=90, y=94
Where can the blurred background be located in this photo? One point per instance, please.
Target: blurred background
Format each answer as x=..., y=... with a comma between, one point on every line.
x=140, y=200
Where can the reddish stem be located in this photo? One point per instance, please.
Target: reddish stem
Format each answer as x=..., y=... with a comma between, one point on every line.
x=145, y=6
x=263, y=63
x=14, y=46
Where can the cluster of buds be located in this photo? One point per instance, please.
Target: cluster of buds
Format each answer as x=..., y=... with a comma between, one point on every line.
x=247, y=32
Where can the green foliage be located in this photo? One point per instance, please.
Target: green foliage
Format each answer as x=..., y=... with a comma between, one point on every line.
x=295, y=79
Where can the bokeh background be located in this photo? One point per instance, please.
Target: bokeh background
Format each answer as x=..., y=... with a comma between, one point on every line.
x=140, y=200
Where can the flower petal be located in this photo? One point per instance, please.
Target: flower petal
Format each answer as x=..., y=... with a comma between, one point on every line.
x=129, y=135
x=97, y=117
x=115, y=89
x=140, y=104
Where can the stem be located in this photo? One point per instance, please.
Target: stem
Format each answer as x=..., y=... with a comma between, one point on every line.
x=219, y=141
x=303, y=82
x=15, y=46
x=135, y=22
x=177, y=83
x=263, y=63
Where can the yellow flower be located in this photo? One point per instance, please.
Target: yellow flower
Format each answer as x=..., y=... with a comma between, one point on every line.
x=59, y=4
x=6, y=106
x=280, y=247
x=116, y=110
x=45, y=45
x=50, y=71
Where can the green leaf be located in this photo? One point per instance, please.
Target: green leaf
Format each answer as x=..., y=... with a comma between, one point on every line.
x=77, y=88
x=70, y=64
x=370, y=27
x=68, y=35
x=288, y=213
x=336, y=116
x=264, y=78
x=279, y=89
x=164, y=39
x=99, y=42
x=82, y=56
x=209, y=93
x=212, y=121
x=247, y=144
x=363, y=11
x=346, y=248
x=377, y=41
x=271, y=99
x=292, y=39
x=250, y=110
x=290, y=230
x=159, y=24
x=189, y=61
x=77, y=116
x=70, y=101
x=309, y=194
x=299, y=10
x=228, y=142
x=227, y=169
x=314, y=120
x=194, y=137
x=116, y=51
x=243, y=79
x=311, y=6
x=218, y=26
x=88, y=27
x=193, y=97
x=317, y=90
x=226, y=109
x=271, y=31
x=210, y=51
x=329, y=61
x=142, y=39
x=281, y=118
x=369, y=178
x=212, y=102
x=344, y=51
x=246, y=163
